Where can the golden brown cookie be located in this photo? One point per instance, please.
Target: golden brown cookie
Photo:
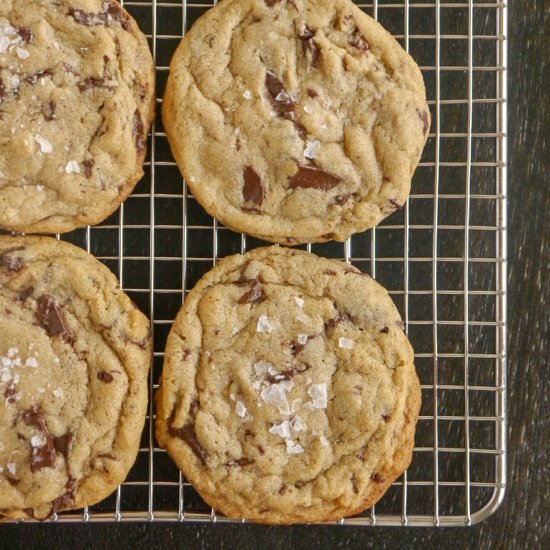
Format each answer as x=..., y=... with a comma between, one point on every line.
x=74, y=359
x=76, y=103
x=289, y=392
x=295, y=120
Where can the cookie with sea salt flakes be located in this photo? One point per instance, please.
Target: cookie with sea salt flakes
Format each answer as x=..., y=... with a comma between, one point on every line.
x=295, y=120
x=289, y=392
x=74, y=359
x=76, y=104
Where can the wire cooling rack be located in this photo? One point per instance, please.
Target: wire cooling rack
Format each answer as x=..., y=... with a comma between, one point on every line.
x=442, y=257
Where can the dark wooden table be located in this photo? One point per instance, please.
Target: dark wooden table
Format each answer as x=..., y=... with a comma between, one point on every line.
x=522, y=520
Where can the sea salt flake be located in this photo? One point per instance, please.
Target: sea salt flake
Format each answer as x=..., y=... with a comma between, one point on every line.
x=282, y=429
x=262, y=368
x=4, y=43
x=264, y=324
x=232, y=396
x=345, y=343
x=247, y=94
x=318, y=394
x=6, y=362
x=56, y=360
x=6, y=377
x=312, y=148
x=16, y=362
x=299, y=301
x=12, y=352
x=240, y=409
x=293, y=448
x=302, y=339
x=40, y=188
x=282, y=96
x=297, y=424
x=234, y=331
x=22, y=53
x=275, y=394
x=324, y=441
x=308, y=109
x=45, y=145
x=31, y=362
x=58, y=392
x=38, y=440
x=14, y=81
x=72, y=167
x=303, y=318
x=12, y=469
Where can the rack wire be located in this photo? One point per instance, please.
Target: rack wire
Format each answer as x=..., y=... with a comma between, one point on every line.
x=442, y=257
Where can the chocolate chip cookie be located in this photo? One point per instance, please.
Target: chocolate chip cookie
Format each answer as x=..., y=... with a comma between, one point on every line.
x=289, y=392
x=76, y=104
x=295, y=120
x=74, y=359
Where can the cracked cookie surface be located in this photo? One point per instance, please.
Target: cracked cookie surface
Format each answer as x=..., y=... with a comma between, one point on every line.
x=74, y=359
x=295, y=121
x=288, y=392
x=76, y=104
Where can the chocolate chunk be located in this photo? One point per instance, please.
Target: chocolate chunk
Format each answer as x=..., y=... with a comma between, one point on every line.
x=10, y=394
x=25, y=294
x=357, y=41
x=354, y=485
x=330, y=272
x=287, y=374
x=240, y=462
x=71, y=69
x=312, y=177
x=48, y=111
x=93, y=82
x=386, y=417
x=302, y=132
x=395, y=204
x=280, y=100
x=116, y=12
x=113, y=13
x=254, y=294
x=186, y=354
x=187, y=434
x=104, y=376
x=62, y=444
x=44, y=456
x=340, y=200
x=376, y=478
x=271, y=3
x=66, y=499
x=312, y=93
x=11, y=263
x=88, y=165
x=296, y=347
x=424, y=118
x=25, y=34
x=33, y=78
x=384, y=330
x=309, y=45
x=138, y=132
x=51, y=318
x=253, y=190
x=193, y=408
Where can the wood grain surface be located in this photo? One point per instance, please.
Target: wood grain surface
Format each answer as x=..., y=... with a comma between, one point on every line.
x=522, y=521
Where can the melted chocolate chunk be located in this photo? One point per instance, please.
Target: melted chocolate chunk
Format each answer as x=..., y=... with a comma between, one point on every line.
x=11, y=263
x=187, y=434
x=88, y=165
x=44, y=456
x=312, y=177
x=340, y=200
x=240, y=462
x=51, y=318
x=62, y=444
x=104, y=376
x=253, y=190
x=376, y=478
x=287, y=374
x=186, y=354
x=10, y=394
x=312, y=93
x=386, y=417
x=296, y=347
x=424, y=118
x=66, y=499
x=113, y=14
x=309, y=45
x=25, y=34
x=330, y=272
x=71, y=69
x=193, y=408
x=138, y=132
x=357, y=41
x=254, y=294
x=33, y=78
x=271, y=3
x=280, y=100
x=93, y=82
x=384, y=330
x=302, y=132
x=354, y=485
x=25, y=294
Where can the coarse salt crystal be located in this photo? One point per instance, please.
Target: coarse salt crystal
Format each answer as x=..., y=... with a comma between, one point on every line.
x=45, y=145
x=297, y=424
x=31, y=362
x=22, y=53
x=299, y=301
x=38, y=440
x=318, y=394
x=345, y=343
x=58, y=392
x=303, y=318
x=312, y=148
x=12, y=469
x=264, y=324
x=293, y=448
x=240, y=409
x=282, y=429
x=324, y=441
x=72, y=167
x=302, y=339
x=247, y=94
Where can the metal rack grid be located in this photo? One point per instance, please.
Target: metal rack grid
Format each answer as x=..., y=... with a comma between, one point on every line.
x=442, y=257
